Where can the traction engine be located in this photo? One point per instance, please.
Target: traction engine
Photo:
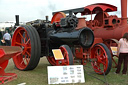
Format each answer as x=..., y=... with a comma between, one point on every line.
x=63, y=32
x=74, y=37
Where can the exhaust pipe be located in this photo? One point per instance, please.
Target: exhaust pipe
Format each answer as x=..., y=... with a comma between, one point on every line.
x=46, y=18
x=124, y=11
x=17, y=20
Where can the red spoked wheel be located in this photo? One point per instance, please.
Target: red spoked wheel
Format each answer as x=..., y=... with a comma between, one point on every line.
x=4, y=64
x=28, y=39
x=112, y=43
x=102, y=59
x=68, y=57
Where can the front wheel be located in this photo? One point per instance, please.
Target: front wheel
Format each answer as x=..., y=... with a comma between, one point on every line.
x=102, y=56
x=67, y=54
x=28, y=39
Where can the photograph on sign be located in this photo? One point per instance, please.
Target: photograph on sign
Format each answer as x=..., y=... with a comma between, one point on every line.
x=57, y=54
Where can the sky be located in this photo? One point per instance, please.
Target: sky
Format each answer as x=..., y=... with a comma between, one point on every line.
x=29, y=10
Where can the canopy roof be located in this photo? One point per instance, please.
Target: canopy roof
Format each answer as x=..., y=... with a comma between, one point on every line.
x=92, y=9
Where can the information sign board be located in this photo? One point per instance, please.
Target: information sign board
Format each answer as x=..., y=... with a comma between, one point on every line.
x=65, y=74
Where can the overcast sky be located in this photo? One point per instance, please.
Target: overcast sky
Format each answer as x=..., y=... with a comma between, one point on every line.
x=37, y=9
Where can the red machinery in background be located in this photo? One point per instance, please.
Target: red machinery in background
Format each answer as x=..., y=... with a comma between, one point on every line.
x=108, y=29
x=6, y=53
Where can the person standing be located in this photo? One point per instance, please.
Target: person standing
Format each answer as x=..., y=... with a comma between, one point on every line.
x=7, y=38
x=122, y=52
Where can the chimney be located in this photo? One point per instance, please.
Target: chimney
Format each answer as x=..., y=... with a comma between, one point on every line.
x=46, y=18
x=124, y=11
x=17, y=20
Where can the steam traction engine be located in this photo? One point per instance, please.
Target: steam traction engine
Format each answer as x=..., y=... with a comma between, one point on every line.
x=65, y=32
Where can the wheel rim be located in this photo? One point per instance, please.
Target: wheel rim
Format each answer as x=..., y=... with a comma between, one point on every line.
x=101, y=63
x=112, y=43
x=22, y=39
x=64, y=61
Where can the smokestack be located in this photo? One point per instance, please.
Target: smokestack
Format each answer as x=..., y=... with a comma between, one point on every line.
x=124, y=11
x=46, y=18
x=17, y=20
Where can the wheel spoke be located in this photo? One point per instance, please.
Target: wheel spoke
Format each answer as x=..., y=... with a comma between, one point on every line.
x=19, y=43
x=28, y=53
x=28, y=47
x=103, y=62
x=110, y=43
x=22, y=36
x=99, y=67
x=104, y=67
x=102, y=53
x=27, y=41
x=104, y=57
x=23, y=52
x=26, y=37
x=27, y=60
x=22, y=61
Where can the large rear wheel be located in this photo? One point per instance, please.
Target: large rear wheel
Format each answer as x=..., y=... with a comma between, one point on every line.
x=28, y=39
x=102, y=59
x=68, y=57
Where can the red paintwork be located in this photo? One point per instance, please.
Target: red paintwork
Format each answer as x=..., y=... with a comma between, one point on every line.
x=5, y=55
x=94, y=8
x=57, y=17
x=22, y=39
x=114, y=28
x=106, y=27
x=99, y=53
x=114, y=31
x=64, y=61
x=124, y=11
x=81, y=23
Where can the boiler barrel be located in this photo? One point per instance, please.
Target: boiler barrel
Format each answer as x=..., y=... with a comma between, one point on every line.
x=83, y=37
x=115, y=33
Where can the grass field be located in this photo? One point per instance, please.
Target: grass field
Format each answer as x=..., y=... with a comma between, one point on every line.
x=39, y=75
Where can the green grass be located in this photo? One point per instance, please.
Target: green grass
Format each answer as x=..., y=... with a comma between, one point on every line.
x=39, y=76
